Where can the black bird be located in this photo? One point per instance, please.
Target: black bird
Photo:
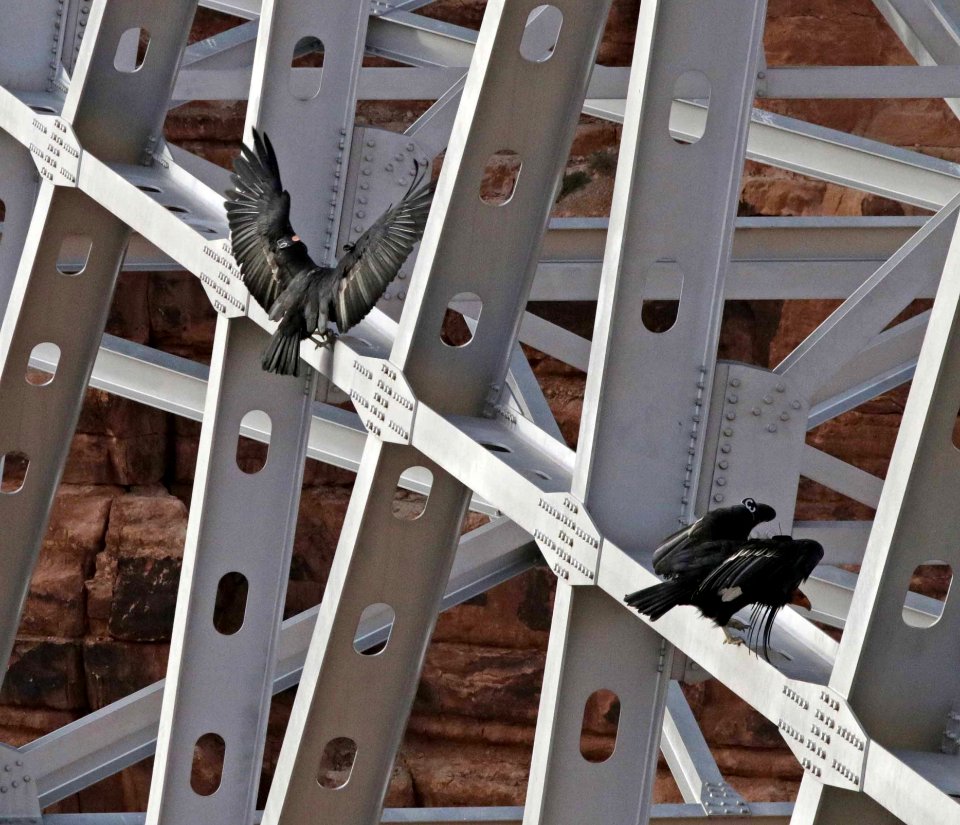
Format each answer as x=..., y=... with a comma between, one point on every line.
x=722, y=577
x=676, y=552
x=286, y=281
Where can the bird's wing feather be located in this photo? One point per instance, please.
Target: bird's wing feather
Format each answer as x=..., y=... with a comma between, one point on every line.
x=258, y=212
x=765, y=565
x=376, y=257
x=672, y=555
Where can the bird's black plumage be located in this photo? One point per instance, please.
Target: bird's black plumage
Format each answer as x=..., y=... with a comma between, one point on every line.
x=284, y=279
x=725, y=576
x=678, y=553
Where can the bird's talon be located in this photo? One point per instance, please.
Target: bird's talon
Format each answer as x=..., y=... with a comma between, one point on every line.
x=736, y=624
x=731, y=639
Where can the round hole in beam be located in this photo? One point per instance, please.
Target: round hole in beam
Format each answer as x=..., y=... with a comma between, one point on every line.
x=336, y=763
x=47, y=355
x=541, y=34
x=927, y=593
x=461, y=319
x=14, y=466
x=74, y=254
x=306, y=68
x=132, y=50
x=230, y=606
x=252, y=454
x=691, y=86
x=207, y=770
x=372, y=619
x=601, y=722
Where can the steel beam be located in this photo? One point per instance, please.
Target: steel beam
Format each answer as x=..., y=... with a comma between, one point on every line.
x=906, y=706
x=627, y=361
x=117, y=115
x=381, y=559
x=235, y=515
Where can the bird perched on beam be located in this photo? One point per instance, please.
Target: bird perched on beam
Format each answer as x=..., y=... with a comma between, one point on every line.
x=285, y=280
x=721, y=577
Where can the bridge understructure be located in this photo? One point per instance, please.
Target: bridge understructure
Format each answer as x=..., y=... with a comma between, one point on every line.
x=90, y=187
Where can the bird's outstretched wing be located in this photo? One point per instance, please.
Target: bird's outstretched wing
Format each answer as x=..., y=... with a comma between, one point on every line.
x=258, y=211
x=375, y=259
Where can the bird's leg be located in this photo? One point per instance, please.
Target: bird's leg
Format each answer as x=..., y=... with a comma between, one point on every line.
x=736, y=624
x=324, y=339
x=731, y=639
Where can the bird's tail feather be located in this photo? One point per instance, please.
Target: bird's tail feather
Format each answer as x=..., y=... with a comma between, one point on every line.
x=657, y=600
x=282, y=354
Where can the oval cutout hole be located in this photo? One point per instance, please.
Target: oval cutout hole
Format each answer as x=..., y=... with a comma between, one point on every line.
x=538, y=474
x=178, y=210
x=496, y=448
x=42, y=364
x=146, y=187
x=373, y=618
x=407, y=504
x=460, y=319
x=694, y=87
x=306, y=68
x=500, y=176
x=956, y=432
x=74, y=254
x=207, y=770
x=131, y=50
x=252, y=455
x=541, y=34
x=927, y=594
x=665, y=281
x=13, y=471
x=3, y=218
x=601, y=722
x=337, y=762
x=231, y=604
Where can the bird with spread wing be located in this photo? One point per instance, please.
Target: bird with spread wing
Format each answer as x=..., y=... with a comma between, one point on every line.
x=285, y=280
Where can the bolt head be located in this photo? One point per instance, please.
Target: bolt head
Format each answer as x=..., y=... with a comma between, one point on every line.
x=796, y=405
x=725, y=448
x=772, y=428
x=718, y=497
x=735, y=382
x=755, y=411
x=723, y=464
x=733, y=398
x=728, y=431
x=731, y=416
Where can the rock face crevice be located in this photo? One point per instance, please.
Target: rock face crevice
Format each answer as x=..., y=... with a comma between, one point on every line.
x=98, y=616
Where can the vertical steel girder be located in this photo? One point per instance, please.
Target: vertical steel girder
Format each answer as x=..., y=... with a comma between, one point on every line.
x=118, y=116
x=242, y=523
x=908, y=707
x=637, y=462
x=509, y=103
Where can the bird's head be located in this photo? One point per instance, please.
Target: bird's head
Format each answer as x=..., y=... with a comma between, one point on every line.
x=760, y=512
x=289, y=247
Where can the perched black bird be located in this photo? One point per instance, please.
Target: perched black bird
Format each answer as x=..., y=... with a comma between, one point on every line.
x=721, y=577
x=678, y=552
x=284, y=279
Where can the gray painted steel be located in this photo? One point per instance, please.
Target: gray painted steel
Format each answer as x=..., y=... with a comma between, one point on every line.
x=96, y=169
x=636, y=470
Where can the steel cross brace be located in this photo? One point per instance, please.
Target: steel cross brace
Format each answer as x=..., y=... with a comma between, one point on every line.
x=117, y=114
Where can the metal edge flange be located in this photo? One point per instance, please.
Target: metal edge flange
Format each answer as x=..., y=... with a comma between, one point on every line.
x=55, y=150
x=383, y=399
x=568, y=538
x=19, y=800
x=221, y=280
x=820, y=728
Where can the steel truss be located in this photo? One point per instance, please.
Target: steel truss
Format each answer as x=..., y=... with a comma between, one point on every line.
x=86, y=172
